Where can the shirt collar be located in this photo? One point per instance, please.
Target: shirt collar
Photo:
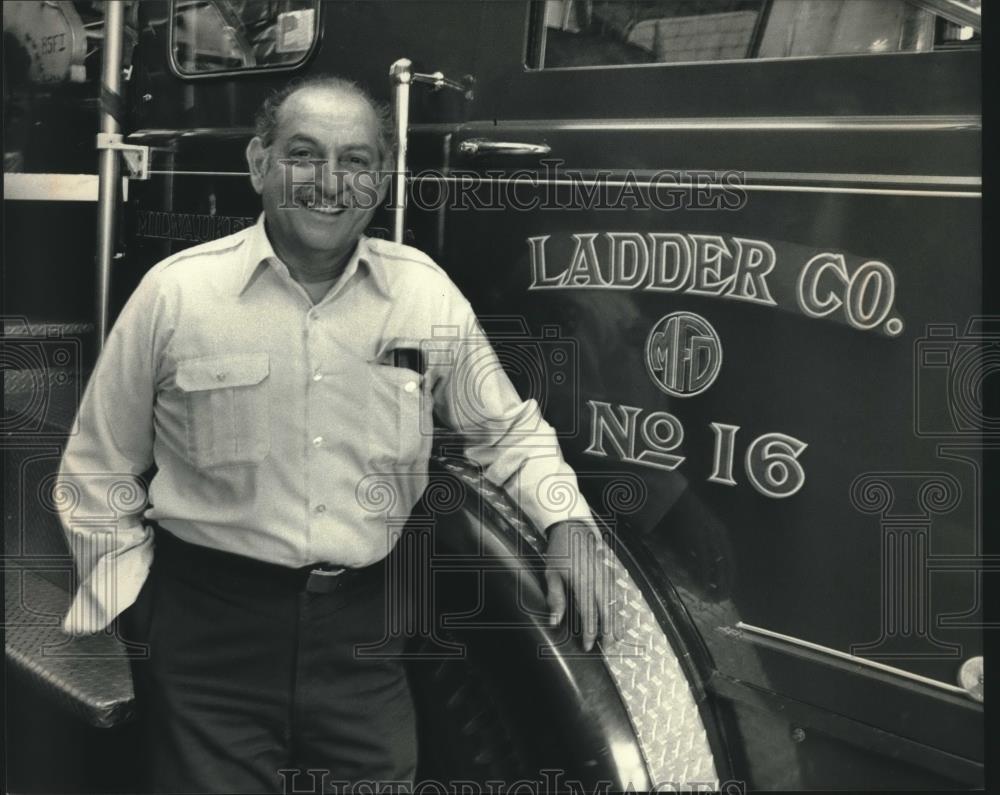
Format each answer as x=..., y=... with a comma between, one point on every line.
x=260, y=251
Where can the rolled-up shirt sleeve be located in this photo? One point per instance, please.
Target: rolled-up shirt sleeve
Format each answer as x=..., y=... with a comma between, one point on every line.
x=98, y=493
x=505, y=435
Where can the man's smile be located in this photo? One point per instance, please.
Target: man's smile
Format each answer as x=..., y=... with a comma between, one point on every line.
x=326, y=209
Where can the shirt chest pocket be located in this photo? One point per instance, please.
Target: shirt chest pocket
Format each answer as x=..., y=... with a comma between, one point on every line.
x=226, y=399
x=400, y=425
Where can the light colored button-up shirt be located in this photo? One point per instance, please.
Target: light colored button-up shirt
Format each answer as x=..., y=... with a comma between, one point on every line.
x=280, y=428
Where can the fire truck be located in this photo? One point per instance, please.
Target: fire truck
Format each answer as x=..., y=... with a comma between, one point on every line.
x=732, y=247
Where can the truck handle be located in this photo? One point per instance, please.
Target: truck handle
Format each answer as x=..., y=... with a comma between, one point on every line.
x=482, y=146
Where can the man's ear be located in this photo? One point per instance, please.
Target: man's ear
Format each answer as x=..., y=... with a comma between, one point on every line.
x=257, y=159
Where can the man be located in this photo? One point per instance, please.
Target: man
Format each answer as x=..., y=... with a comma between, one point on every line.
x=262, y=374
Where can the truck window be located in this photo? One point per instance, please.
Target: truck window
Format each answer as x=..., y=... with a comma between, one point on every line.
x=212, y=37
x=573, y=33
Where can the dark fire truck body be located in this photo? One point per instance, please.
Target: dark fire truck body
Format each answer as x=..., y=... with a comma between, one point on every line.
x=732, y=247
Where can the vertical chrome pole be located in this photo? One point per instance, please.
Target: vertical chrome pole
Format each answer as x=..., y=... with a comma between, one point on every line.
x=401, y=75
x=109, y=171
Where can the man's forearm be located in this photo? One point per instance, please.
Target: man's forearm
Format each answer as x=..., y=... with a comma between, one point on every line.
x=98, y=493
x=528, y=464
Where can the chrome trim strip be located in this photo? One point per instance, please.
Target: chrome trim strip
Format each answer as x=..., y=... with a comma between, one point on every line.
x=953, y=194
x=878, y=123
x=867, y=179
x=167, y=173
x=841, y=655
x=588, y=176
x=613, y=183
x=618, y=183
x=190, y=132
x=746, y=61
x=828, y=123
x=50, y=187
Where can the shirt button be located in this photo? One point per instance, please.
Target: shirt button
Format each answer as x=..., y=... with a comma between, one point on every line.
x=410, y=386
x=317, y=376
x=317, y=441
x=320, y=508
x=313, y=315
x=220, y=376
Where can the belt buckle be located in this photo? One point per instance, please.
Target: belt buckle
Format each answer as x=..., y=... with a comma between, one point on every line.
x=324, y=580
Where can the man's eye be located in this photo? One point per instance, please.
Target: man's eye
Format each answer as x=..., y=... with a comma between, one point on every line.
x=300, y=153
x=356, y=160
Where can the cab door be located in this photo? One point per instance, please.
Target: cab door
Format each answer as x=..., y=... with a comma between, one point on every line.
x=755, y=226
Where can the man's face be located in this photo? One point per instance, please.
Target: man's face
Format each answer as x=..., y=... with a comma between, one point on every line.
x=319, y=208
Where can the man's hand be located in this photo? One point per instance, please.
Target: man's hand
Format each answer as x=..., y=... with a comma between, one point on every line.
x=575, y=556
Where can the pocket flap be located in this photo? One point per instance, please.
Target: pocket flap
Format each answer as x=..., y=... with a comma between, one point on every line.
x=222, y=372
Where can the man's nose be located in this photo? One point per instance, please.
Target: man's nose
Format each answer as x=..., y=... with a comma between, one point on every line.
x=335, y=182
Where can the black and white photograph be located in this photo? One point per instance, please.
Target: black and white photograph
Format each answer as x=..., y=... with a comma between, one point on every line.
x=497, y=397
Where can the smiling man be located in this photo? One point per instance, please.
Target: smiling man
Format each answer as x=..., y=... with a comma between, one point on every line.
x=262, y=374
x=317, y=175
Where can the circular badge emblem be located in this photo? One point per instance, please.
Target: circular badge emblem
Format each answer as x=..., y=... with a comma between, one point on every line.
x=683, y=354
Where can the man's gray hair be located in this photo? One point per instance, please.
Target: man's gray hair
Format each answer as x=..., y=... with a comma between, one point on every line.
x=266, y=120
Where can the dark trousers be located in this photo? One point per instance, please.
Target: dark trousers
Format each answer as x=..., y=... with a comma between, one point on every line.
x=254, y=677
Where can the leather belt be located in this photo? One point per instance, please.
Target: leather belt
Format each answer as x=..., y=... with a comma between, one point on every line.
x=192, y=561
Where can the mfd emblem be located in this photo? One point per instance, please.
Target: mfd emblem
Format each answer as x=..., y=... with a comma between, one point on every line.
x=683, y=354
